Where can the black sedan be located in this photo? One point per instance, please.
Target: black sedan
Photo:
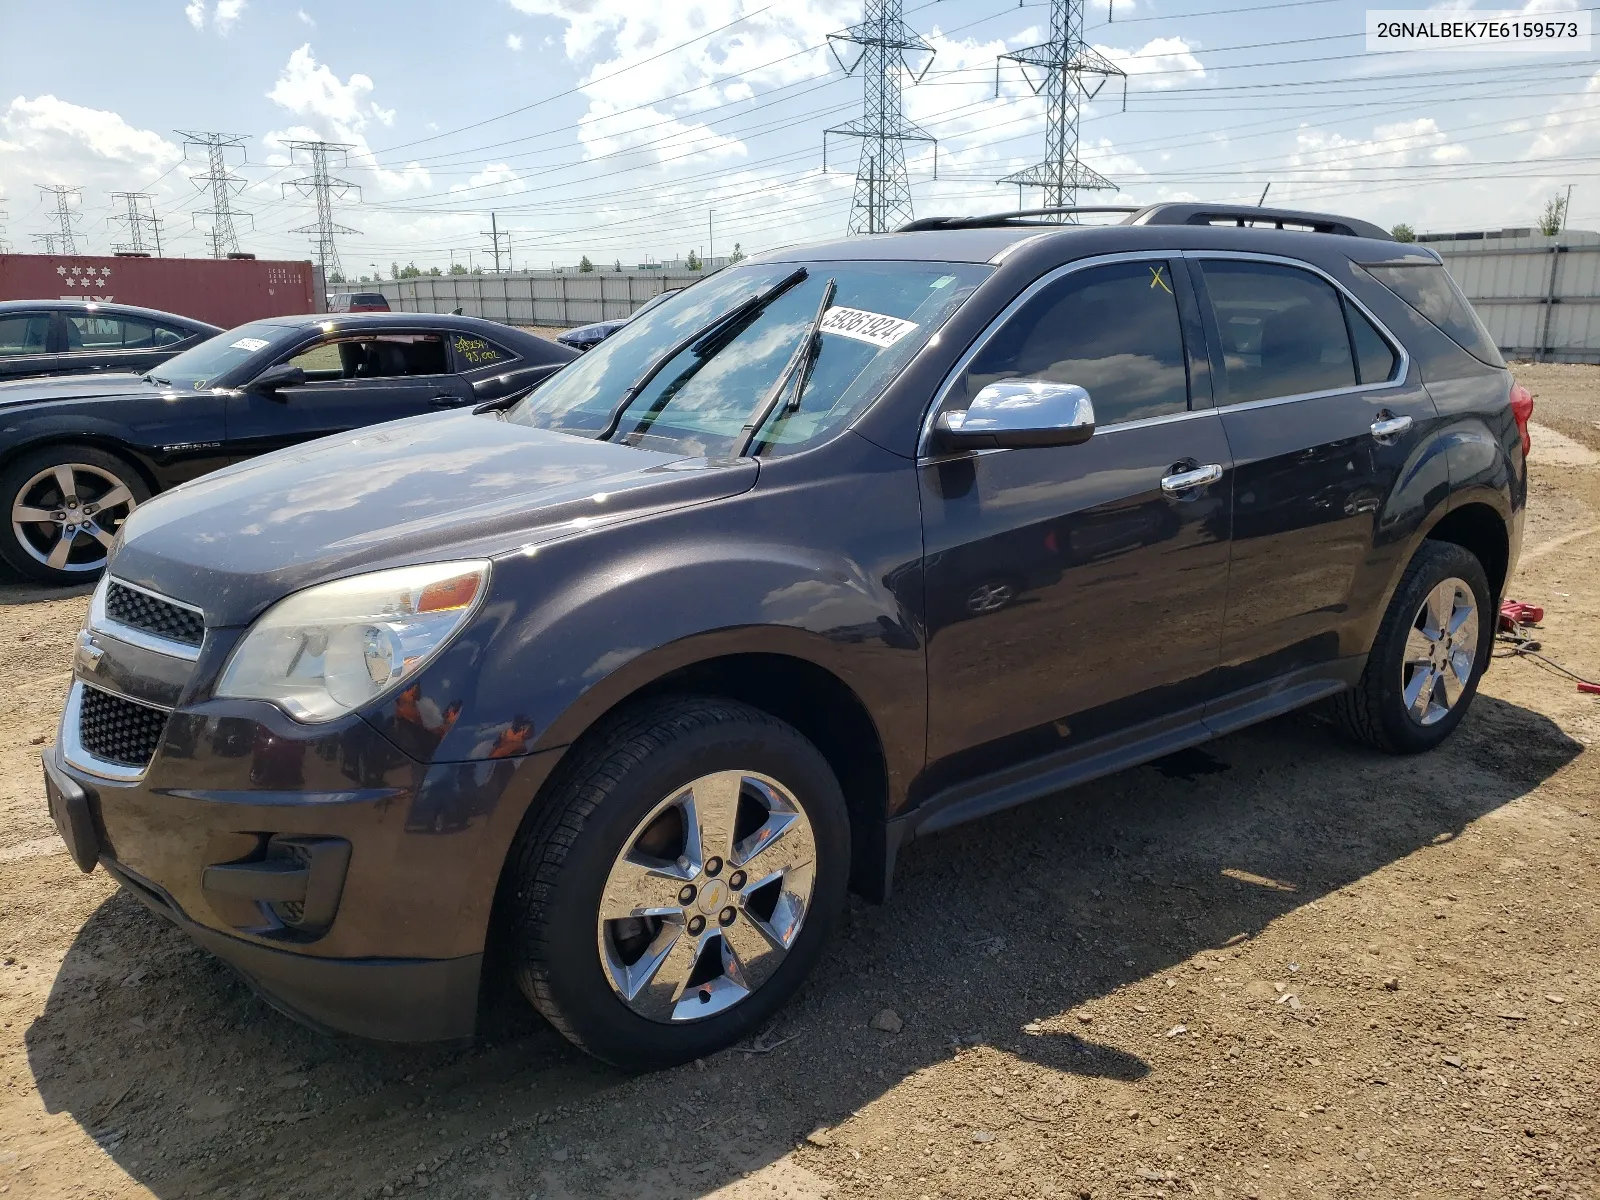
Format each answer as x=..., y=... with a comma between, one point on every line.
x=73, y=337
x=586, y=337
x=77, y=454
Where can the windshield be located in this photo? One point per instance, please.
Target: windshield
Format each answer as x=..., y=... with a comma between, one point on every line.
x=698, y=405
x=197, y=368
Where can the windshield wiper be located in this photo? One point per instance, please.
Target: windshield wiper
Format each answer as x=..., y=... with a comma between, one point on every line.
x=794, y=377
x=705, y=341
x=151, y=378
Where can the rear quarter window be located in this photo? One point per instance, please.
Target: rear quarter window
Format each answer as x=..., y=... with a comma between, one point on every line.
x=1429, y=289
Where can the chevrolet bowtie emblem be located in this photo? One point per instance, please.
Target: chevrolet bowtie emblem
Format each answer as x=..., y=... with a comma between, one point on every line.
x=89, y=655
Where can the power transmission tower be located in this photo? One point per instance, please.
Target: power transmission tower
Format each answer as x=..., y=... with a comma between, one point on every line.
x=64, y=240
x=135, y=221
x=494, y=234
x=1065, y=60
x=224, y=186
x=325, y=189
x=883, y=192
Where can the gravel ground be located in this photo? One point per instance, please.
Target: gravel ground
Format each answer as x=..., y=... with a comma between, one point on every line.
x=1277, y=967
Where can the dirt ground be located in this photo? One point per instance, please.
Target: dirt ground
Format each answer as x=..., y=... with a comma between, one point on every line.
x=1279, y=967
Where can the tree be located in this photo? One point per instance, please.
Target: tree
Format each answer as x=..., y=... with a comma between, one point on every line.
x=692, y=262
x=617, y=266
x=584, y=265
x=409, y=271
x=1403, y=233
x=336, y=277
x=737, y=256
x=458, y=268
x=433, y=271
x=394, y=270
x=1554, y=217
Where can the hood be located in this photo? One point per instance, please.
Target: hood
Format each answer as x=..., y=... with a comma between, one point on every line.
x=93, y=386
x=452, y=485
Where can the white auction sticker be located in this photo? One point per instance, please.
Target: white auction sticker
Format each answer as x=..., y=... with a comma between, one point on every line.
x=876, y=328
x=251, y=344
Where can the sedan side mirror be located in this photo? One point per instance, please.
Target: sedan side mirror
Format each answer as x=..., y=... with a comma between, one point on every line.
x=1017, y=413
x=281, y=376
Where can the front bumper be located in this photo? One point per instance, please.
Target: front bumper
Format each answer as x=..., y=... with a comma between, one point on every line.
x=400, y=955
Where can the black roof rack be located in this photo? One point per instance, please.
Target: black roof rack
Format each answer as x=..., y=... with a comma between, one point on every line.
x=1244, y=215
x=994, y=220
x=1239, y=215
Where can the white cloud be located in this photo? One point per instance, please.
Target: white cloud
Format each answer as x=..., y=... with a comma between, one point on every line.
x=305, y=18
x=338, y=110
x=227, y=15
x=513, y=41
x=1167, y=61
x=195, y=10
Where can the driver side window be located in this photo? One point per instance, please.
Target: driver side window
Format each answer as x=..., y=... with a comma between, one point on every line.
x=1112, y=330
x=378, y=356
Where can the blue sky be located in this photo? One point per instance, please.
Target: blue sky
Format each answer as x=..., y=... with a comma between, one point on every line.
x=611, y=127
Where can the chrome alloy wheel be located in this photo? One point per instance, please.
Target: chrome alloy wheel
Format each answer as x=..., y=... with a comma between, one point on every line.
x=707, y=897
x=1440, y=652
x=67, y=515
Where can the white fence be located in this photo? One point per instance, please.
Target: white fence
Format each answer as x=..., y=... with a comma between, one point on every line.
x=533, y=297
x=1539, y=296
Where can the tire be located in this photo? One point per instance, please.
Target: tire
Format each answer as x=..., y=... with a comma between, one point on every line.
x=613, y=839
x=32, y=486
x=1376, y=711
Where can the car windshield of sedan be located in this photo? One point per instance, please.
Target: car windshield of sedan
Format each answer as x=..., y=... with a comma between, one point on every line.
x=194, y=369
x=701, y=401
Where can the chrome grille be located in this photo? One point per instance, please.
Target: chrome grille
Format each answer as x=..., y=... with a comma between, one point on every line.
x=117, y=730
x=159, y=618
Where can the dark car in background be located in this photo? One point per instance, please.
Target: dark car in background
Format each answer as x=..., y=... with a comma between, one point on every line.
x=73, y=337
x=359, y=302
x=78, y=454
x=587, y=337
x=625, y=682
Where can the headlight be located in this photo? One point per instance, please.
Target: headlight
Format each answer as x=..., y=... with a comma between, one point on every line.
x=329, y=649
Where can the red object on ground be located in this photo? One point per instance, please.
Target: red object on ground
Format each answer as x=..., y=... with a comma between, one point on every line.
x=223, y=291
x=1522, y=411
x=1592, y=688
x=1515, y=612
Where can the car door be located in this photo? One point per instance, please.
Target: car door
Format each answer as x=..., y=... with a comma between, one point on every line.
x=25, y=344
x=1073, y=591
x=1323, y=422
x=352, y=380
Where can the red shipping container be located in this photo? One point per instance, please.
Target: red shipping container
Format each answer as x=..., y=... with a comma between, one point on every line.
x=223, y=291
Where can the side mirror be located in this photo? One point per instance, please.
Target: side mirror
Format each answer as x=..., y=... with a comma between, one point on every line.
x=281, y=376
x=1017, y=413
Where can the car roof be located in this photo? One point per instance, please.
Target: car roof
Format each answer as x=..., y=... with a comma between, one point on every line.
x=105, y=306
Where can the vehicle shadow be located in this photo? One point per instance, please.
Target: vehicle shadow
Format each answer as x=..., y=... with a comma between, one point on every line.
x=998, y=933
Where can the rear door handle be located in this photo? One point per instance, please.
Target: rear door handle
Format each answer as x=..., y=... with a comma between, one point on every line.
x=448, y=400
x=1388, y=427
x=1184, y=481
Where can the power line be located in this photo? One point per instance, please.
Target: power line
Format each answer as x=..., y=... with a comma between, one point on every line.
x=883, y=191
x=224, y=186
x=64, y=238
x=325, y=189
x=135, y=221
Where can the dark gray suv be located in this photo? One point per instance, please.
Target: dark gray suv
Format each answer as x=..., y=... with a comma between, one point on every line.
x=630, y=677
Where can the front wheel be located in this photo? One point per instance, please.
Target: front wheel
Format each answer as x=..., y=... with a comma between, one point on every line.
x=679, y=884
x=62, y=507
x=1430, y=653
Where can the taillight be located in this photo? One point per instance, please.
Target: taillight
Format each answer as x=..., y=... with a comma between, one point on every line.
x=1522, y=410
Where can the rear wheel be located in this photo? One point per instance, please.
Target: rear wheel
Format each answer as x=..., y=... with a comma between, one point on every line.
x=680, y=883
x=62, y=507
x=1428, y=657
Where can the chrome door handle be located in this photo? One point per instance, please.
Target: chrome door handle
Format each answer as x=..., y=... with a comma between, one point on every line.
x=1389, y=427
x=1185, y=481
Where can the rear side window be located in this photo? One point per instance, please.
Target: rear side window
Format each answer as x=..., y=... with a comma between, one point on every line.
x=1428, y=288
x=1282, y=329
x=473, y=352
x=1375, y=358
x=106, y=333
x=1112, y=330
x=381, y=356
x=24, y=333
